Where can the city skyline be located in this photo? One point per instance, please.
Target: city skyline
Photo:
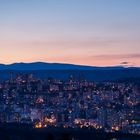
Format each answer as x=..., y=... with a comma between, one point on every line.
x=85, y=32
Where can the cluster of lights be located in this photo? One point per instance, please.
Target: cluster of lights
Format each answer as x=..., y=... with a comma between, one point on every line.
x=82, y=123
x=116, y=128
x=47, y=121
x=40, y=100
x=38, y=125
x=50, y=120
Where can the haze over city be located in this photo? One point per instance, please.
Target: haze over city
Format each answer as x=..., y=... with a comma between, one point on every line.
x=85, y=32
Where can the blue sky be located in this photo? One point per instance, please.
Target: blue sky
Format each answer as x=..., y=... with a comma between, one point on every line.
x=88, y=32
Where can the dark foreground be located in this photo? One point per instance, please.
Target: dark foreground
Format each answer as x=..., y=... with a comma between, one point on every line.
x=24, y=132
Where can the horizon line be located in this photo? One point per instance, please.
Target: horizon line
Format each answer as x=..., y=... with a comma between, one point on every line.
x=121, y=65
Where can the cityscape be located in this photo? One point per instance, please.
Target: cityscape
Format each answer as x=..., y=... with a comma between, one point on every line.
x=106, y=106
x=69, y=69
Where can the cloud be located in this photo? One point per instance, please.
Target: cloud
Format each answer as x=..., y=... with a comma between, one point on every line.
x=124, y=63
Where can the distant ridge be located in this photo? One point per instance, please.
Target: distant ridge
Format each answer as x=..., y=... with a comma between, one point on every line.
x=63, y=71
x=53, y=66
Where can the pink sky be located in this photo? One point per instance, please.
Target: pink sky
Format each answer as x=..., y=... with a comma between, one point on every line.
x=86, y=33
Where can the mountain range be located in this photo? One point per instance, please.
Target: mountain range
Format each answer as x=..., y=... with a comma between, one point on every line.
x=53, y=66
x=63, y=71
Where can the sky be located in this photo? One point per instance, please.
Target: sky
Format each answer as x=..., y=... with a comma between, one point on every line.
x=85, y=32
